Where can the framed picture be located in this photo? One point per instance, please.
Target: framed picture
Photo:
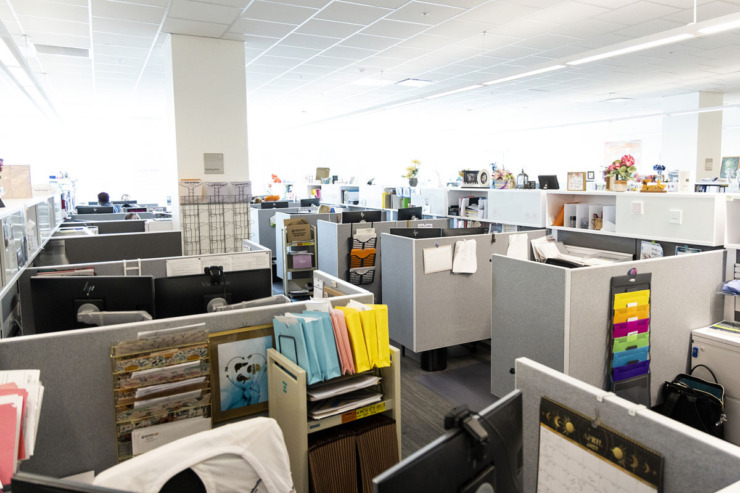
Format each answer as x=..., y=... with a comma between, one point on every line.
x=590, y=176
x=239, y=371
x=331, y=292
x=577, y=181
x=729, y=167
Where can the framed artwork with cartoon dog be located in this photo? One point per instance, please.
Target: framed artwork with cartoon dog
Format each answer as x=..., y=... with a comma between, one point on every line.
x=239, y=371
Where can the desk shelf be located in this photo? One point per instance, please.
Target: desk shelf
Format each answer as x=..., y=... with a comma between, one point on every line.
x=289, y=407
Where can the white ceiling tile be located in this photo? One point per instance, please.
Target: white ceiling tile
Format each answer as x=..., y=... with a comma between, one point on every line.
x=33, y=24
x=404, y=52
x=104, y=25
x=352, y=13
x=547, y=41
x=425, y=13
x=348, y=52
x=276, y=12
x=642, y=11
x=567, y=12
x=252, y=42
x=305, y=40
x=329, y=62
x=460, y=29
x=284, y=63
x=588, y=27
x=203, y=12
x=51, y=10
x=394, y=29
x=329, y=28
x=82, y=42
x=463, y=4
x=368, y=42
x=428, y=42
x=512, y=52
x=648, y=28
x=386, y=4
x=497, y=13
x=194, y=28
x=524, y=28
x=127, y=11
x=315, y=4
x=293, y=52
x=261, y=28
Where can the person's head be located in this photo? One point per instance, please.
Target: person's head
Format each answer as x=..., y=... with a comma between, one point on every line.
x=125, y=196
x=132, y=215
x=103, y=198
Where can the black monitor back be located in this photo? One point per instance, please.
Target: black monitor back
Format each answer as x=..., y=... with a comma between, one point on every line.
x=361, y=217
x=189, y=295
x=94, y=209
x=274, y=204
x=122, y=202
x=409, y=213
x=417, y=232
x=56, y=299
x=309, y=202
x=447, y=463
x=464, y=231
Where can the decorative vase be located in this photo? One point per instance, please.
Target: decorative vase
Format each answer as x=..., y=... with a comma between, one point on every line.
x=413, y=182
x=620, y=185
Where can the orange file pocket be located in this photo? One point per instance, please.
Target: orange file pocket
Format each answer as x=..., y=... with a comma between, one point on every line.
x=362, y=258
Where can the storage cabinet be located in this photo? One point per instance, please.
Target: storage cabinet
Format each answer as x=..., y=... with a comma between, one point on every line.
x=299, y=262
x=288, y=406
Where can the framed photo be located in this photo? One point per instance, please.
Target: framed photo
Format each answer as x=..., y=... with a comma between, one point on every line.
x=685, y=250
x=577, y=181
x=239, y=371
x=590, y=175
x=729, y=167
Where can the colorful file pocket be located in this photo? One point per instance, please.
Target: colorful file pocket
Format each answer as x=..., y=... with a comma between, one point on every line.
x=631, y=299
x=632, y=313
x=630, y=356
x=631, y=342
x=302, y=260
x=630, y=371
x=362, y=275
x=362, y=258
x=629, y=328
x=363, y=243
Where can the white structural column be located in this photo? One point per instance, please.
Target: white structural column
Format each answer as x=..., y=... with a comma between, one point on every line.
x=210, y=104
x=209, y=97
x=693, y=141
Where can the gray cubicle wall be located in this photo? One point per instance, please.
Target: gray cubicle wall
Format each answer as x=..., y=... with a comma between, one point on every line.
x=334, y=247
x=76, y=429
x=116, y=216
x=432, y=311
x=157, y=267
x=103, y=248
x=110, y=227
x=692, y=460
x=560, y=317
x=262, y=231
x=620, y=243
x=280, y=218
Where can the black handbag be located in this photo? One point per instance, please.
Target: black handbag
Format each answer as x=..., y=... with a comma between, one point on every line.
x=695, y=402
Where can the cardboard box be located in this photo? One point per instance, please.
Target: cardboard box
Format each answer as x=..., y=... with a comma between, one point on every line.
x=297, y=230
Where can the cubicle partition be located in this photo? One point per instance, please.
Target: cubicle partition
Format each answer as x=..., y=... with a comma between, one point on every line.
x=334, y=246
x=263, y=229
x=280, y=218
x=102, y=248
x=116, y=216
x=441, y=309
x=76, y=429
x=110, y=227
x=692, y=460
x=257, y=258
x=560, y=317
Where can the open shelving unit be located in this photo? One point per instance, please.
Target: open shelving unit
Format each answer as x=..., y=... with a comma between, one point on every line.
x=296, y=273
x=288, y=406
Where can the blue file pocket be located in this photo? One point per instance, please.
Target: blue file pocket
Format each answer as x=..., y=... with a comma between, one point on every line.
x=630, y=356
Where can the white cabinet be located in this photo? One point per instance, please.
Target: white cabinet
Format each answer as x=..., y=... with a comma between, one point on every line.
x=720, y=351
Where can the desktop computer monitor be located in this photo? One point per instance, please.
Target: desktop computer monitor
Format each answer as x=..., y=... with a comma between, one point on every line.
x=200, y=293
x=417, y=232
x=135, y=209
x=481, y=452
x=274, y=204
x=94, y=209
x=58, y=300
x=309, y=202
x=409, y=213
x=122, y=202
x=548, y=182
x=464, y=231
x=361, y=217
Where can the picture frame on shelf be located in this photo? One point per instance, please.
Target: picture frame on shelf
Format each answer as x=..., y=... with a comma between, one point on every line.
x=590, y=175
x=239, y=371
x=577, y=181
x=729, y=167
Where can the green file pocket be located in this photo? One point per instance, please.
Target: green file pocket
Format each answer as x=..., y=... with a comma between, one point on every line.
x=631, y=342
x=363, y=275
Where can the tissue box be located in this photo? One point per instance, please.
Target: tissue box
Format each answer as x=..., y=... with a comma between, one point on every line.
x=302, y=260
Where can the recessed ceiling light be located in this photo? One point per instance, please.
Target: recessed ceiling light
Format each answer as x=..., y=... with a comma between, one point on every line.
x=62, y=50
x=414, y=82
x=617, y=100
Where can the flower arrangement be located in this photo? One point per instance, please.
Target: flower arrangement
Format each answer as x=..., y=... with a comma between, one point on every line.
x=413, y=170
x=1, y=167
x=499, y=175
x=622, y=169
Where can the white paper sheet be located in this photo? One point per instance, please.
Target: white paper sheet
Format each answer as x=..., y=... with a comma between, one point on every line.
x=146, y=439
x=518, y=247
x=466, y=258
x=437, y=259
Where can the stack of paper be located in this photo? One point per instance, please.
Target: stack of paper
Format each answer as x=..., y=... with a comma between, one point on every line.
x=333, y=389
x=346, y=402
x=21, y=394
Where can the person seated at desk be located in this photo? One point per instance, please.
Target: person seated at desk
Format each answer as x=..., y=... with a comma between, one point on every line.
x=104, y=200
x=132, y=215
